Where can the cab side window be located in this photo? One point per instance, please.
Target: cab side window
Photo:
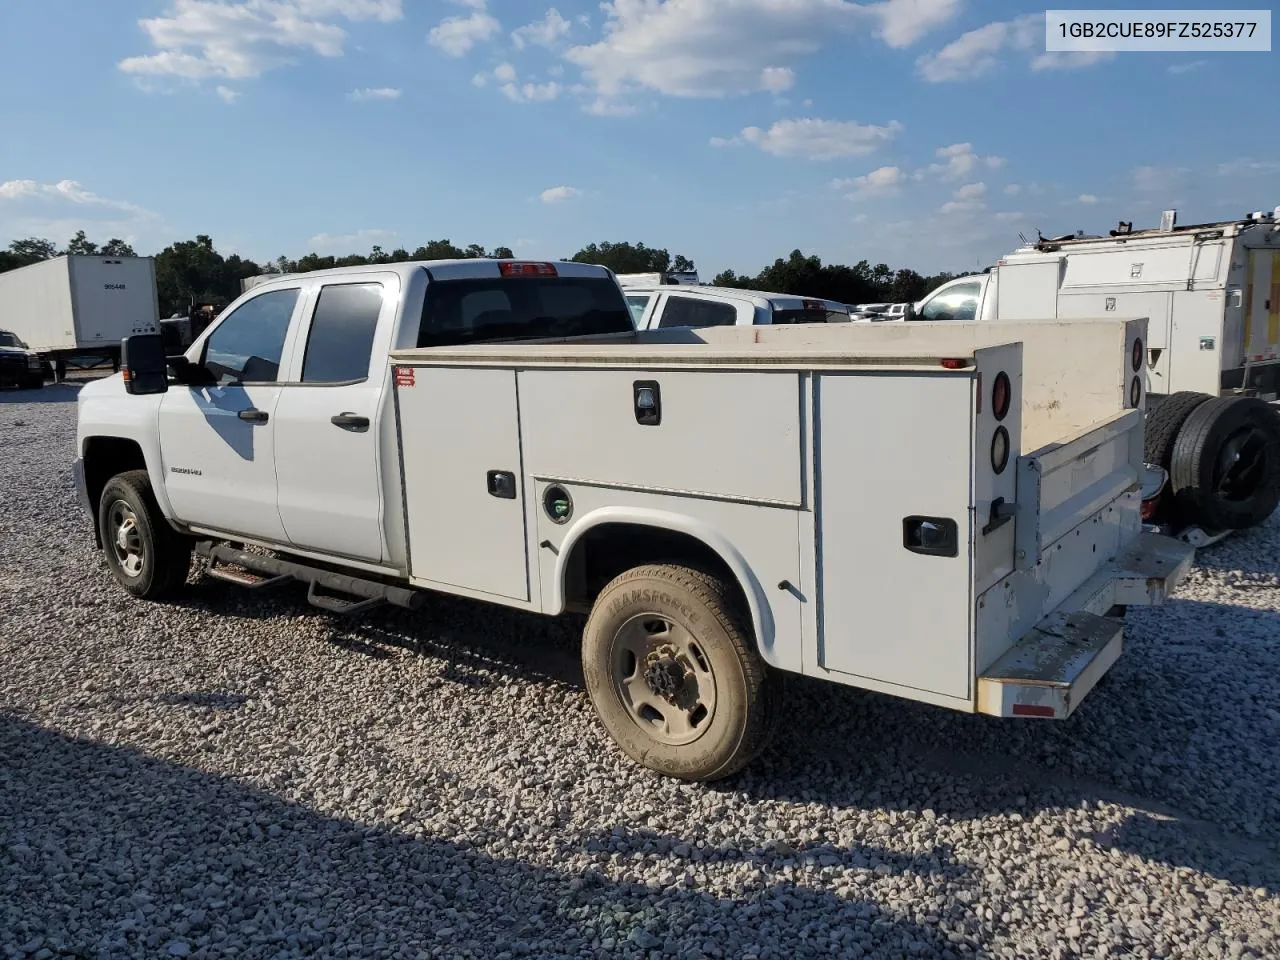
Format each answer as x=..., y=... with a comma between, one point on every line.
x=958, y=303
x=688, y=312
x=340, y=343
x=248, y=344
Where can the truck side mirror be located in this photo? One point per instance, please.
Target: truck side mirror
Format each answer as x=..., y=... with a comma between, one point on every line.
x=143, y=364
x=909, y=312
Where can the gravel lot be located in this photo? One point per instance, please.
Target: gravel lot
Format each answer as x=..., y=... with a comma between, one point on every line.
x=242, y=776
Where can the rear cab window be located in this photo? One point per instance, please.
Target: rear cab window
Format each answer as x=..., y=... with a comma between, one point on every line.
x=813, y=311
x=495, y=309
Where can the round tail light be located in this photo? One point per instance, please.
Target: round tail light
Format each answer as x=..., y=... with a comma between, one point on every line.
x=1135, y=392
x=1137, y=355
x=1001, y=393
x=1000, y=450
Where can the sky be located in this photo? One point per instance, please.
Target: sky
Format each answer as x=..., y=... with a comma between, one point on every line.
x=920, y=133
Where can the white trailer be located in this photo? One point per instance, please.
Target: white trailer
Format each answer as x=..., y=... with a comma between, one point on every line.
x=75, y=307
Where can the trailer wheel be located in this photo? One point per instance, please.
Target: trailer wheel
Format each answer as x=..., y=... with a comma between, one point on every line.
x=1164, y=420
x=143, y=552
x=1226, y=463
x=674, y=676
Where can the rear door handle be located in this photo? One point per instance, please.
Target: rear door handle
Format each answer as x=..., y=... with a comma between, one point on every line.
x=350, y=421
x=253, y=416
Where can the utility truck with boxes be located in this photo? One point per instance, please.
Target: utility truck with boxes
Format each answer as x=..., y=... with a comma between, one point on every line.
x=1211, y=293
x=76, y=308
x=947, y=515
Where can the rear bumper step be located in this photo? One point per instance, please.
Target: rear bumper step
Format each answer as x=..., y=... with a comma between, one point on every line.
x=1152, y=570
x=1049, y=671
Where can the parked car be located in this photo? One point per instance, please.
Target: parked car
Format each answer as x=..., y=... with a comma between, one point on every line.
x=20, y=366
x=660, y=306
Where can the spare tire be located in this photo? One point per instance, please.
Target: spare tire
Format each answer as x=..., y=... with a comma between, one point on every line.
x=1226, y=464
x=1164, y=420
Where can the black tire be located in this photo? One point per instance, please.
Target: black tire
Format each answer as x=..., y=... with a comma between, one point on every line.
x=717, y=646
x=1164, y=420
x=1226, y=464
x=153, y=560
x=33, y=383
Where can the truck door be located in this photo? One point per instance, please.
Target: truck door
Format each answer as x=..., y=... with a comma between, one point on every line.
x=329, y=418
x=217, y=440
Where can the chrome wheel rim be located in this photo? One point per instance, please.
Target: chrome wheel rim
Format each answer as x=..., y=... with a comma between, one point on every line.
x=125, y=538
x=663, y=677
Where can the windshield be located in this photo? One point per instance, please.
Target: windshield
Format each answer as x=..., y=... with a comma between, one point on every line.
x=9, y=340
x=486, y=310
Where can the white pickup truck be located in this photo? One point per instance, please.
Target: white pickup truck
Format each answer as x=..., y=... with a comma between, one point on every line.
x=948, y=515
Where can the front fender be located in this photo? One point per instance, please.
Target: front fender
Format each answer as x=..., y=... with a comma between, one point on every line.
x=105, y=409
x=757, y=601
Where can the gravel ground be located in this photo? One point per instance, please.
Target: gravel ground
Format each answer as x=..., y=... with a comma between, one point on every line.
x=241, y=776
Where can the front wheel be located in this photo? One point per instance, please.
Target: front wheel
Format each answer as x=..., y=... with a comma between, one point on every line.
x=144, y=554
x=674, y=676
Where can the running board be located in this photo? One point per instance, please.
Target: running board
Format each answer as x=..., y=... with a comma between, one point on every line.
x=255, y=571
x=1049, y=671
x=1151, y=570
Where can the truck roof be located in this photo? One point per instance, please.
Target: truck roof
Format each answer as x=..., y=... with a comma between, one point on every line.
x=456, y=269
x=1189, y=231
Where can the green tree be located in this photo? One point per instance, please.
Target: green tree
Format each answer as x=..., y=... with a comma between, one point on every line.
x=631, y=258
x=116, y=247
x=33, y=250
x=193, y=270
x=502, y=253
x=80, y=245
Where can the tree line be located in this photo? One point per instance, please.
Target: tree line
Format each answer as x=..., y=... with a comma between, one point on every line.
x=193, y=271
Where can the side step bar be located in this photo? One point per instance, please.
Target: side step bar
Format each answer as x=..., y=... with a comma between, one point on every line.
x=256, y=572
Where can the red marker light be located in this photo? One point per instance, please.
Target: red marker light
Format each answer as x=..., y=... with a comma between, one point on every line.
x=956, y=363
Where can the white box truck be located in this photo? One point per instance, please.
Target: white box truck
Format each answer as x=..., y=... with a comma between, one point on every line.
x=1212, y=294
x=950, y=516
x=75, y=308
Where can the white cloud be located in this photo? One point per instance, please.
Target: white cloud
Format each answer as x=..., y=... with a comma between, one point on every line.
x=544, y=33
x=365, y=94
x=1012, y=190
x=719, y=48
x=504, y=73
x=966, y=199
x=1180, y=68
x=34, y=208
x=977, y=52
x=359, y=241
x=1248, y=167
x=815, y=139
x=457, y=35
x=559, y=194
x=205, y=39
x=1158, y=179
x=883, y=181
x=1070, y=59
x=777, y=79
x=958, y=162
x=1085, y=199
x=227, y=94
x=71, y=191
x=531, y=92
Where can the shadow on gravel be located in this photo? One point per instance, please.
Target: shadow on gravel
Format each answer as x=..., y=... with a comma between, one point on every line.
x=51, y=393
x=106, y=852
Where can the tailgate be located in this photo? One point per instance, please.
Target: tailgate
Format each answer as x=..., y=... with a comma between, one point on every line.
x=1063, y=485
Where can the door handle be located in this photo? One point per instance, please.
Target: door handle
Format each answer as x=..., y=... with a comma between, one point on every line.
x=253, y=416
x=350, y=420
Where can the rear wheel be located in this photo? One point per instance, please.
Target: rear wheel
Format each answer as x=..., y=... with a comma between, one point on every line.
x=1164, y=420
x=144, y=554
x=1226, y=463
x=674, y=676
